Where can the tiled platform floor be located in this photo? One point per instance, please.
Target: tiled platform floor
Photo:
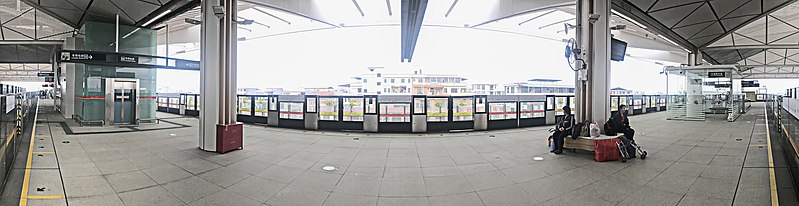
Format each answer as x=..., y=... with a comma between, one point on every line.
x=689, y=163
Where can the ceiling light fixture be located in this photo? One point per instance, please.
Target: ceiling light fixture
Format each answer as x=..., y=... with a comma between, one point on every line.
x=157, y=17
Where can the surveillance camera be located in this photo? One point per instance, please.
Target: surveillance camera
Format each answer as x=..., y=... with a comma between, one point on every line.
x=619, y=27
x=593, y=18
x=219, y=11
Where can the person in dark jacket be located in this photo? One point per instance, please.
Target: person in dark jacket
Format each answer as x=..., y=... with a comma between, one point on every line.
x=621, y=124
x=562, y=129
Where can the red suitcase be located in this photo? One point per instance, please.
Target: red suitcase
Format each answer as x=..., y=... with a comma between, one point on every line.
x=606, y=150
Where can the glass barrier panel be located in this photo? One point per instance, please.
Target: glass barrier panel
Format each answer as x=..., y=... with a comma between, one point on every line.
x=418, y=105
x=261, y=104
x=551, y=103
x=244, y=105
x=190, y=104
x=353, y=109
x=311, y=103
x=395, y=113
x=291, y=110
x=560, y=102
x=571, y=104
x=480, y=105
x=636, y=103
x=623, y=101
x=614, y=104
x=437, y=109
x=163, y=102
x=328, y=109
x=371, y=105
x=531, y=109
x=462, y=109
x=502, y=110
x=174, y=103
x=273, y=103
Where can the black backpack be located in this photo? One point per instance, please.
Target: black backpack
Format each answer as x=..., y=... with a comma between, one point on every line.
x=609, y=127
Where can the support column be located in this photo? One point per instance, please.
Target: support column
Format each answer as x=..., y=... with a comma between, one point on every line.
x=594, y=37
x=219, y=130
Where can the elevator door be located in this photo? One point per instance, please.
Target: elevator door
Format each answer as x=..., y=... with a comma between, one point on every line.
x=124, y=104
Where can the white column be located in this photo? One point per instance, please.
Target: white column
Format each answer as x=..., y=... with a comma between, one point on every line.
x=595, y=44
x=218, y=72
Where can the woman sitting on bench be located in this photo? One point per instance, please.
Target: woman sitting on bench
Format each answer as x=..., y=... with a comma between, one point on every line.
x=562, y=129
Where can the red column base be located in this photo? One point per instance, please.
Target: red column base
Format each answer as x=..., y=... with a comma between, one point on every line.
x=229, y=137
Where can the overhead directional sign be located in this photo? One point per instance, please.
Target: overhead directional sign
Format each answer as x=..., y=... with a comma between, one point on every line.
x=716, y=74
x=45, y=74
x=127, y=60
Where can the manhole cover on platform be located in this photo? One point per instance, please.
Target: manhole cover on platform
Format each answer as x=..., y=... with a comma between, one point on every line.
x=328, y=168
x=538, y=158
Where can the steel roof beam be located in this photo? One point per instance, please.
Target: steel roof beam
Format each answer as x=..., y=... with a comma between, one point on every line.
x=626, y=8
x=771, y=46
x=412, y=16
x=734, y=29
x=38, y=42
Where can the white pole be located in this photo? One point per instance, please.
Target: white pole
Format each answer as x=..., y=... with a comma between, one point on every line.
x=116, y=41
x=167, y=41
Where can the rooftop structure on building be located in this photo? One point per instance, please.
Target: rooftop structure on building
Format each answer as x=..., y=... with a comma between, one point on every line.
x=382, y=80
x=539, y=86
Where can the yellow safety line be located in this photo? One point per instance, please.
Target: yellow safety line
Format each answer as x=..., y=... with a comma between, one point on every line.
x=790, y=139
x=45, y=197
x=23, y=198
x=775, y=201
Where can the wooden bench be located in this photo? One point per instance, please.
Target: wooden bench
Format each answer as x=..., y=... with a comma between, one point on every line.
x=583, y=143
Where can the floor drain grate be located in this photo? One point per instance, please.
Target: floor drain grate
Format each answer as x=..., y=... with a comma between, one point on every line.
x=41, y=147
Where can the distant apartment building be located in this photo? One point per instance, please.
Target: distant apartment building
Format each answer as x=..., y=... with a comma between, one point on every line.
x=539, y=86
x=623, y=91
x=380, y=80
x=259, y=91
x=488, y=89
x=322, y=91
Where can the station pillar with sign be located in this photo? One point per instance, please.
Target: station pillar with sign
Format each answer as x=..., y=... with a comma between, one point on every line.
x=593, y=82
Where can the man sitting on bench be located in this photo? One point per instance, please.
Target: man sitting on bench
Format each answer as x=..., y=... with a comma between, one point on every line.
x=562, y=129
x=621, y=124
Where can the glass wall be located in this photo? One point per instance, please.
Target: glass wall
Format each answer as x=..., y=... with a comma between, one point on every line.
x=531, y=109
x=244, y=105
x=437, y=109
x=353, y=109
x=501, y=110
x=395, y=112
x=291, y=110
x=462, y=109
x=261, y=104
x=89, y=101
x=328, y=109
x=560, y=102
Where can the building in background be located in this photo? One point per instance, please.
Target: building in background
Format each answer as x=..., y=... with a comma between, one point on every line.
x=260, y=91
x=380, y=80
x=539, y=86
x=623, y=91
x=488, y=89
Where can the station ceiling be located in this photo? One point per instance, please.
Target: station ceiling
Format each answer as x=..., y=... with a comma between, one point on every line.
x=760, y=35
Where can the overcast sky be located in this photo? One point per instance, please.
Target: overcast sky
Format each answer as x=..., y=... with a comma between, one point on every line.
x=331, y=57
